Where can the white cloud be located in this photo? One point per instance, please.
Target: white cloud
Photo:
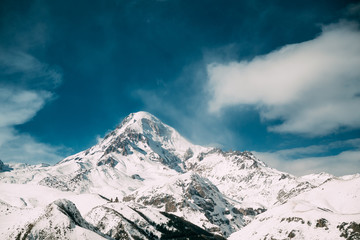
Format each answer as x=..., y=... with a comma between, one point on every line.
x=22, y=68
x=288, y=160
x=99, y=139
x=24, y=148
x=19, y=104
x=313, y=86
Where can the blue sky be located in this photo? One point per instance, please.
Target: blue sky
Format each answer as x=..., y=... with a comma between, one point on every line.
x=280, y=78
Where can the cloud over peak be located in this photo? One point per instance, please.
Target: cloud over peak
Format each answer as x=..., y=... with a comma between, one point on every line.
x=313, y=87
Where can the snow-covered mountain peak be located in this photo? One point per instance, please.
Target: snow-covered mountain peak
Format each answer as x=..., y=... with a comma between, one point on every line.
x=135, y=119
x=144, y=136
x=145, y=125
x=161, y=179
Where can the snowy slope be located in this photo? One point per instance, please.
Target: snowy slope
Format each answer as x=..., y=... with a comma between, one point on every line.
x=32, y=196
x=134, y=221
x=247, y=180
x=30, y=212
x=59, y=220
x=316, y=214
x=25, y=211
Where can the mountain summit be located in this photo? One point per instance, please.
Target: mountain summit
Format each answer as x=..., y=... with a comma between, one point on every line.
x=144, y=180
x=146, y=136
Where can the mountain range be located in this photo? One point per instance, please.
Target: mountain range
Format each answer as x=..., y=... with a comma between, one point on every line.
x=144, y=180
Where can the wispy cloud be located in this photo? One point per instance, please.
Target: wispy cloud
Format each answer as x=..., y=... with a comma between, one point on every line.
x=18, y=105
x=24, y=148
x=183, y=102
x=193, y=124
x=25, y=88
x=27, y=83
x=18, y=67
x=301, y=161
x=311, y=87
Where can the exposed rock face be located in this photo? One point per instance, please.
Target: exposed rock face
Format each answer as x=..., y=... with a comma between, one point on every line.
x=321, y=223
x=120, y=221
x=110, y=161
x=4, y=167
x=350, y=231
x=192, y=194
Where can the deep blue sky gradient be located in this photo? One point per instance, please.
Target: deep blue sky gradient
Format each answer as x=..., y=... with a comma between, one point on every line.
x=118, y=57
